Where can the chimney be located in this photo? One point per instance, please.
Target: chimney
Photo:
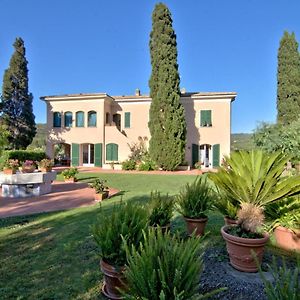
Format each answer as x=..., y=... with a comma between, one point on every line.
x=137, y=92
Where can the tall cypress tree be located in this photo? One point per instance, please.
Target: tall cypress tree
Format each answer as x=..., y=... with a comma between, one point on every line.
x=17, y=112
x=167, y=120
x=288, y=80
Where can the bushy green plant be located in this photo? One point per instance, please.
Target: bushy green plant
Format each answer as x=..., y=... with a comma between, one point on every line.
x=147, y=164
x=164, y=267
x=161, y=209
x=286, y=283
x=129, y=164
x=12, y=164
x=70, y=173
x=99, y=185
x=45, y=163
x=196, y=199
x=126, y=220
x=254, y=179
x=226, y=207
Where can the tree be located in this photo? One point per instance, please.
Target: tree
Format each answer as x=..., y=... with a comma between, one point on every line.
x=288, y=80
x=166, y=121
x=17, y=113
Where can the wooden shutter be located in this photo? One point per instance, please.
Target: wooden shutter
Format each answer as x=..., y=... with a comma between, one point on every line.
x=127, y=120
x=202, y=117
x=75, y=155
x=205, y=117
x=112, y=152
x=208, y=117
x=195, y=154
x=98, y=155
x=216, y=155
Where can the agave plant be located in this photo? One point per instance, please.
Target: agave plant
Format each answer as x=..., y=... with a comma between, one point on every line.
x=254, y=179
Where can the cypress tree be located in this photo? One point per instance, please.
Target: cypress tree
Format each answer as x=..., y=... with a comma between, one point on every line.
x=167, y=120
x=288, y=80
x=17, y=112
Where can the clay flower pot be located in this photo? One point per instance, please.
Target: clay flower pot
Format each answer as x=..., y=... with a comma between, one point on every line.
x=229, y=221
x=287, y=239
x=113, y=280
x=9, y=171
x=70, y=180
x=28, y=169
x=101, y=196
x=48, y=169
x=240, y=250
x=198, y=224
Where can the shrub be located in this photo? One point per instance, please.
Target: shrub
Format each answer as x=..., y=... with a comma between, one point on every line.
x=147, y=165
x=69, y=173
x=126, y=220
x=226, y=207
x=99, y=185
x=195, y=199
x=128, y=164
x=161, y=209
x=163, y=267
x=286, y=283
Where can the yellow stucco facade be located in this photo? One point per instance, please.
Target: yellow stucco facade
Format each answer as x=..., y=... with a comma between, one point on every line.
x=96, y=129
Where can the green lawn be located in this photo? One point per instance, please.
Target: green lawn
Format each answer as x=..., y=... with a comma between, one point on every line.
x=53, y=255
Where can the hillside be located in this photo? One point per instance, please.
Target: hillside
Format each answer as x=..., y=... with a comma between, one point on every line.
x=241, y=141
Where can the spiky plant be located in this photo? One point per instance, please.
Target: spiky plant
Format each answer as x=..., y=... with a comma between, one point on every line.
x=255, y=178
x=226, y=207
x=250, y=217
x=164, y=268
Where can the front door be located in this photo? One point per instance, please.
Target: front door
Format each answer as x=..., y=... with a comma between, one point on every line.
x=88, y=155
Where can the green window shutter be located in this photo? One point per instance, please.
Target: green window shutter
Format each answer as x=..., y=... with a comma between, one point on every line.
x=216, y=155
x=127, y=120
x=205, y=118
x=112, y=152
x=98, y=155
x=75, y=155
x=195, y=154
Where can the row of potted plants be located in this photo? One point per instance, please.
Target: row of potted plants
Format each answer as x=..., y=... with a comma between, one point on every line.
x=11, y=166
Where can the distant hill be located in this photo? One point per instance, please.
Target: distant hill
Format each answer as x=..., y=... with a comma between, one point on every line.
x=39, y=141
x=241, y=141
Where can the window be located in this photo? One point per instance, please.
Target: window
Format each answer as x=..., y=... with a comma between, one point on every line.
x=205, y=118
x=107, y=118
x=127, y=120
x=92, y=119
x=68, y=119
x=56, y=119
x=112, y=152
x=80, y=119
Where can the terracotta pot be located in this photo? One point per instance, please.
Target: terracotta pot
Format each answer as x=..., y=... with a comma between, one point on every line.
x=229, y=221
x=287, y=239
x=9, y=171
x=49, y=169
x=198, y=224
x=28, y=169
x=113, y=280
x=101, y=196
x=240, y=250
x=71, y=180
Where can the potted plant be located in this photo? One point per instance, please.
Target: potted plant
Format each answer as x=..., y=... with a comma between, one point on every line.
x=161, y=210
x=70, y=174
x=254, y=179
x=285, y=222
x=100, y=188
x=193, y=202
x=10, y=166
x=126, y=223
x=45, y=165
x=28, y=166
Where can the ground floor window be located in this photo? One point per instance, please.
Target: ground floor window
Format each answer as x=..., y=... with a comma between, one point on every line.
x=88, y=154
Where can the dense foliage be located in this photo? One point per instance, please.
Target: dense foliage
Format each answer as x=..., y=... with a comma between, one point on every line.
x=127, y=221
x=164, y=268
x=288, y=80
x=166, y=120
x=16, y=108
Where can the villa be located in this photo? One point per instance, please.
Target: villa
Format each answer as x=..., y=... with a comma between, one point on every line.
x=97, y=129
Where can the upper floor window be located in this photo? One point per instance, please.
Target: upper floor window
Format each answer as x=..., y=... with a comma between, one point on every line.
x=80, y=119
x=127, y=120
x=205, y=118
x=92, y=119
x=56, y=119
x=107, y=118
x=68, y=119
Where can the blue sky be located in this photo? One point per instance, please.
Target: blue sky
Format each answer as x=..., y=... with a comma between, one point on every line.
x=78, y=46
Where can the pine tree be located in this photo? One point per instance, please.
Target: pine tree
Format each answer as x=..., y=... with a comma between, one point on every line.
x=288, y=80
x=17, y=112
x=167, y=120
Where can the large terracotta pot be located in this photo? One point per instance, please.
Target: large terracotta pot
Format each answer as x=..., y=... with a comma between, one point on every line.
x=229, y=221
x=287, y=239
x=101, y=196
x=113, y=280
x=240, y=250
x=9, y=171
x=198, y=224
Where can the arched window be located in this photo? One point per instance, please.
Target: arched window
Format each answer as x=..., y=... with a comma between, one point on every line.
x=68, y=119
x=80, y=119
x=92, y=119
x=56, y=119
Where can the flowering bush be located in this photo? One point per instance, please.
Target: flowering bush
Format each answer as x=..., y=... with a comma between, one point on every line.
x=28, y=164
x=46, y=163
x=12, y=164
